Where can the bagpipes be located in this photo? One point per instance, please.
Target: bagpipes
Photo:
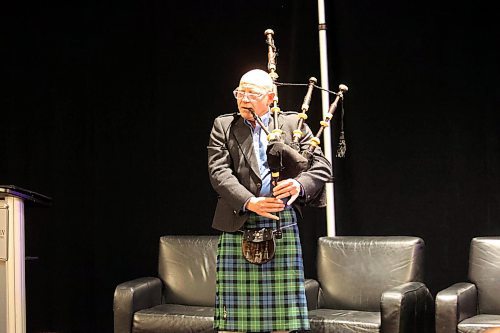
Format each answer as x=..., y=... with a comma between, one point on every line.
x=284, y=160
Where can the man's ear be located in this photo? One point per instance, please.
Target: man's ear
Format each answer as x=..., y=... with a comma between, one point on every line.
x=270, y=98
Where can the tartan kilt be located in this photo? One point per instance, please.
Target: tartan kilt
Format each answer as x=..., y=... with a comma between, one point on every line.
x=261, y=298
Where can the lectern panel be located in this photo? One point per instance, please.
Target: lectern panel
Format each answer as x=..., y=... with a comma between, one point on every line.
x=12, y=256
x=4, y=239
x=3, y=264
x=3, y=297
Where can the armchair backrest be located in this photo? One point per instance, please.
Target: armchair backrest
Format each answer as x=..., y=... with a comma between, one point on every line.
x=484, y=272
x=187, y=267
x=353, y=271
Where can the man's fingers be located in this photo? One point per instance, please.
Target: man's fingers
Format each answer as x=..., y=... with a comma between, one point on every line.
x=286, y=188
x=283, y=184
x=267, y=214
x=284, y=192
x=270, y=216
x=272, y=209
x=276, y=205
x=272, y=202
x=283, y=195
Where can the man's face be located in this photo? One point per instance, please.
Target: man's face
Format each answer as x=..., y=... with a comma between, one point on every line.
x=250, y=96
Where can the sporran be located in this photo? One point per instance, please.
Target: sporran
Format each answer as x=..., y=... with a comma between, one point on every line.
x=258, y=245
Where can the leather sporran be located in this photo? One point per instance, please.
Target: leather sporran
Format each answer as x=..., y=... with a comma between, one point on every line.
x=258, y=245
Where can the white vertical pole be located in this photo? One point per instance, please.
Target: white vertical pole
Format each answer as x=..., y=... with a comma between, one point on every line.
x=325, y=100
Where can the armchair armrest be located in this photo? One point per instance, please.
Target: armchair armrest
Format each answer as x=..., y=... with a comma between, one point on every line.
x=132, y=296
x=312, y=293
x=407, y=308
x=454, y=304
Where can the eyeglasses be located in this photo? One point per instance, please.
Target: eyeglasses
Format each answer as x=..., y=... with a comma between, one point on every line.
x=252, y=96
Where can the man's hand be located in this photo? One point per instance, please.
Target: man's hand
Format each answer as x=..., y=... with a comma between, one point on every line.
x=264, y=206
x=287, y=188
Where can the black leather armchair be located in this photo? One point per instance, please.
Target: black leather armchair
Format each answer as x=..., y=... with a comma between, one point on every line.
x=371, y=284
x=473, y=306
x=180, y=299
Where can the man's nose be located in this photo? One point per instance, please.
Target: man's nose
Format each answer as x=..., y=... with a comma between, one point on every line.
x=245, y=98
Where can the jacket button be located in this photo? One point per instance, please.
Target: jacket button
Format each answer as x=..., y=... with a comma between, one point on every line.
x=235, y=212
x=259, y=185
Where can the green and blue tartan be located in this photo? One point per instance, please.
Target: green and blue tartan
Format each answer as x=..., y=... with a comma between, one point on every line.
x=261, y=298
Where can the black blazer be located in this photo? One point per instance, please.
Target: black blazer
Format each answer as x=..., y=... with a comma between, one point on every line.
x=234, y=172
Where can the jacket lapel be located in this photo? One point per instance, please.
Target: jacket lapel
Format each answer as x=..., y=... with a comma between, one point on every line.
x=243, y=136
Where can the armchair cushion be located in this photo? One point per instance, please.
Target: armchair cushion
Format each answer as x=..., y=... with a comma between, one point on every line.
x=479, y=323
x=344, y=321
x=174, y=318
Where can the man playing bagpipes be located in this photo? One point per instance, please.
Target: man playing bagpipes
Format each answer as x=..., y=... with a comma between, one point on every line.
x=260, y=275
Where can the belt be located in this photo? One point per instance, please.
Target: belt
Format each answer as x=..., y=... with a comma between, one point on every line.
x=274, y=230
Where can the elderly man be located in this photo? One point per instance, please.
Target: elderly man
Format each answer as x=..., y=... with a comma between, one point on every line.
x=267, y=296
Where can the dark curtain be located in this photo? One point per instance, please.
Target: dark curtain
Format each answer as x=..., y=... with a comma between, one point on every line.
x=109, y=105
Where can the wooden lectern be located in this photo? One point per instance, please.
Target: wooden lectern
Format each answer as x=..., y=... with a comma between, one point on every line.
x=12, y=258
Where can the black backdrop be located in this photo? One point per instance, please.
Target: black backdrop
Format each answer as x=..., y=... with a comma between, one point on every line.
x=109, y=106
